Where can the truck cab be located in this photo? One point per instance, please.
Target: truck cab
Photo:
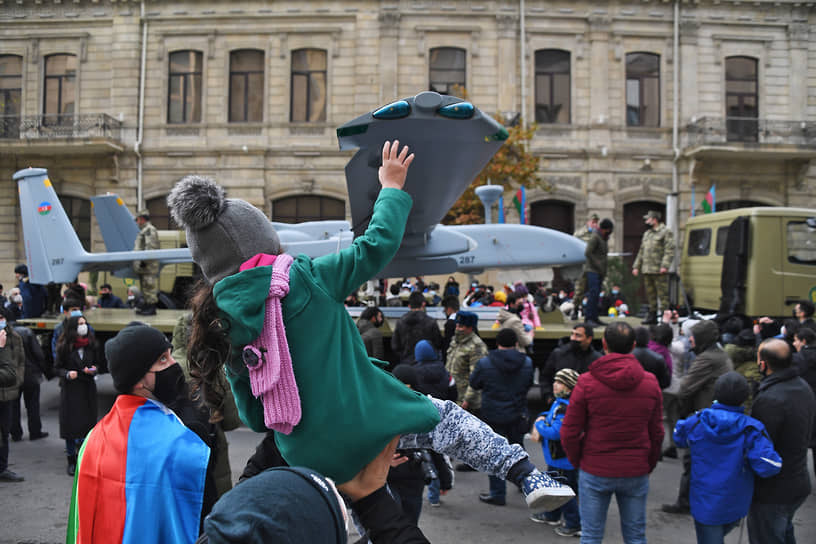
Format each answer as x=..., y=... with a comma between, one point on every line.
x=751, y=261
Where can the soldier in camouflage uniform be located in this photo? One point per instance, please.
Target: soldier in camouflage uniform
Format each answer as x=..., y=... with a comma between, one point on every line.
x=148, y=271
x=584, y=234
x=464, y=352
x=654, y=260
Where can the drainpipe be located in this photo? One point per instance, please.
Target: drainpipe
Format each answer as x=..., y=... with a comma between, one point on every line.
x=673, y=197
x=523, y=57
x=140, y=122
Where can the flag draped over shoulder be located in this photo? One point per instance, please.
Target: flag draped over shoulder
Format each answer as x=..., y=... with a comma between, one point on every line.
x=139, y=478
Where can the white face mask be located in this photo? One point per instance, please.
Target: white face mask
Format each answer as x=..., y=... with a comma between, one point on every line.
x=82, y=330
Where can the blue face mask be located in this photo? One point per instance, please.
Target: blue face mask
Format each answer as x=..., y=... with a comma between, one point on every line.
x=2, y=324
x=76, y=313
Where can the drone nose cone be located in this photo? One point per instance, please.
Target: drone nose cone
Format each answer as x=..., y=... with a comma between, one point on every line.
x=428, y=101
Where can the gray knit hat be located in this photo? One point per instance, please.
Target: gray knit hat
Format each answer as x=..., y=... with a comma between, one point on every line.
x=222, y=232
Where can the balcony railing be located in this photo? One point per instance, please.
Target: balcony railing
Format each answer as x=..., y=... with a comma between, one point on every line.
x=719, y=130
x=60, y=126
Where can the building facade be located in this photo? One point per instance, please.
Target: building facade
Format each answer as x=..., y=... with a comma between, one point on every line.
x=128, y=96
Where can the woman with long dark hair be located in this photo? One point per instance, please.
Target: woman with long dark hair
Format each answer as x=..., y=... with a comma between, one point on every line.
x=77, y=363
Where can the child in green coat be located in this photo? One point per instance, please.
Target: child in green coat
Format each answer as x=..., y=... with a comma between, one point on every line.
x=293, y=355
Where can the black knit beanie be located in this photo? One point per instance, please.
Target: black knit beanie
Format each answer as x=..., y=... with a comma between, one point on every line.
x=731, y=389
x=132, y=352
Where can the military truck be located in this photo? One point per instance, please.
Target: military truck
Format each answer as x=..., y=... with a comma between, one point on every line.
x=752, y=261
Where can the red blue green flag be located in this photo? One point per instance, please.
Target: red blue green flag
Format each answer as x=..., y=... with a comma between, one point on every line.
x=520, y=202
x=710, y=202
x=139, y=478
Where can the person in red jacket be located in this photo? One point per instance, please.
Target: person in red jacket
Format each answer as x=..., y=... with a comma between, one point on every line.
x=612, y=433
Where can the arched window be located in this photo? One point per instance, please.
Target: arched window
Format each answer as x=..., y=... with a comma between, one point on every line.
x=642, y=90
x=78, y=211
x=59, y=89
x=246, y=86
x=741, y=99
x=11, y=87
x=553, y=214
x=184, y=87
x=447, y=67
x=300, y=208
x=159, y=213
x=552, y=86
x=308, y=89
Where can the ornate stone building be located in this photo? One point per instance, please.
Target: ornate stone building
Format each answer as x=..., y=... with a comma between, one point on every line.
x=638, y=103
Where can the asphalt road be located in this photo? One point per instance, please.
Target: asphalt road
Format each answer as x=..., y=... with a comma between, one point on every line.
x=36, y=510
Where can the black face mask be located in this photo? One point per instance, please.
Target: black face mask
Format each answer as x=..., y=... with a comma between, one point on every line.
x=170, y=384
x=575, y=345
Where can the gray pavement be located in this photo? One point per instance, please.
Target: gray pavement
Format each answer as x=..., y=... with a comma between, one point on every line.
x=36, y=511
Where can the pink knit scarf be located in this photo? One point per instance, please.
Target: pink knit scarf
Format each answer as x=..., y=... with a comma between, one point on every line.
x=268, y=358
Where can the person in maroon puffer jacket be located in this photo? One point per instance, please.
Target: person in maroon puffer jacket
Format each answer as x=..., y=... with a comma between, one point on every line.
x=612, y=433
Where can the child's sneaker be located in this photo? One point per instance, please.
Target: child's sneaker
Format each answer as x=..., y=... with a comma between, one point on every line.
x=543, y=493
x=566, y=531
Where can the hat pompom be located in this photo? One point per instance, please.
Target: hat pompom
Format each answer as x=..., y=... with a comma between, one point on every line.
x=196, y=202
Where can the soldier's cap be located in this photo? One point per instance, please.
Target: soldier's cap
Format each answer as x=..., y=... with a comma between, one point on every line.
x=593, y=217
x=143, y=213
x=653, y=214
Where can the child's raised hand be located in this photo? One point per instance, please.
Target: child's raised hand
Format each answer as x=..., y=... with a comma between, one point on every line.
x=394, y=167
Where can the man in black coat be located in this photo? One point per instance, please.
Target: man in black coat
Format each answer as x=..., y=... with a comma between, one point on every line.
x=412, y=327
x=504, y=377
x=30, y=390
x=577, y=355
x=786, y=406
x=651, y=361
x=804, y=341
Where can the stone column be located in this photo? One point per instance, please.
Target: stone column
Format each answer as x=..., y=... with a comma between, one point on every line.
x=798, y=73
x=689, y=30
x=599, y=69
x=506, y=67
x=389, y=47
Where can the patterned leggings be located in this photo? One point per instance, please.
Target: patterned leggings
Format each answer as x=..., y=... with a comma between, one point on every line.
x=462, y=435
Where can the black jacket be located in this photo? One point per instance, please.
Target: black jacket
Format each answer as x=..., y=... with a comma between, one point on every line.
x=35, y=359
x=564, y=357
x=504, y=377
x=653, y=362
x=412, y=327
x=435, y=380
x=786, y=406
x=805, y=363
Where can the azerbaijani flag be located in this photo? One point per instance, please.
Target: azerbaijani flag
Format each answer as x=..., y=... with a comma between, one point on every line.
x=139, y=478
x=520, y=202
x=710, y=201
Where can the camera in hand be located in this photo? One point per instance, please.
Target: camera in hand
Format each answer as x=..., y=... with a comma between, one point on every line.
x=423, y=457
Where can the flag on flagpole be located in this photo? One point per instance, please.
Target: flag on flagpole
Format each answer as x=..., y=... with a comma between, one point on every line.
x=710, y=201
x=520, y=202
x=501, y=209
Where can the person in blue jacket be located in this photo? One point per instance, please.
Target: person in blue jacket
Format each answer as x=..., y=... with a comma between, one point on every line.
x=727, y=449
x=548, y=427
